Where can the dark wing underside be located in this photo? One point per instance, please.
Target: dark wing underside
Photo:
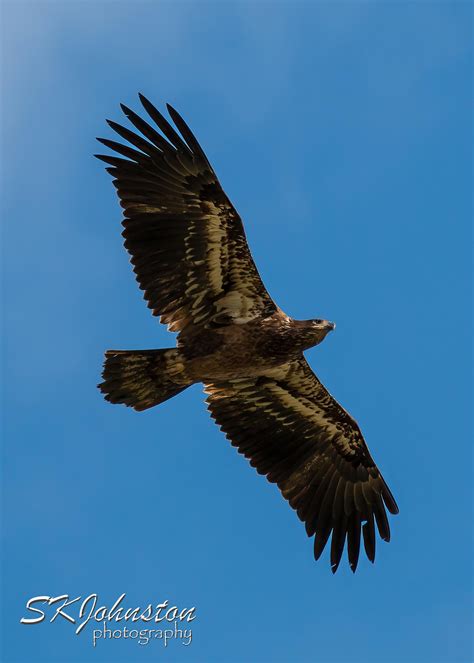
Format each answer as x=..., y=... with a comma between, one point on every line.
x=187, y=242
x=294, y=432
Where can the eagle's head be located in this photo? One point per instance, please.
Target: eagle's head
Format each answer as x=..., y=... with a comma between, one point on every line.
x=321, y=328
x=312, y=332
x=323, y=325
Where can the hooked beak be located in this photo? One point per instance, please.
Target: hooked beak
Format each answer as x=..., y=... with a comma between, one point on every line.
x=330, y=325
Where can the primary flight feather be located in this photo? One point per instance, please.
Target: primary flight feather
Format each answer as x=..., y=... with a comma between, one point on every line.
x=191, y=258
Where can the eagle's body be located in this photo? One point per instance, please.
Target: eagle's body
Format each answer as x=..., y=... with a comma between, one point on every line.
x=191, y=258
x=249, y=349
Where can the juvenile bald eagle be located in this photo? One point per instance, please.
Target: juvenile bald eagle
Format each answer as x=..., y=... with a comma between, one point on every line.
x=191, y=259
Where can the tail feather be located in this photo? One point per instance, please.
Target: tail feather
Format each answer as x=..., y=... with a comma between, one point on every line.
x=142, y=378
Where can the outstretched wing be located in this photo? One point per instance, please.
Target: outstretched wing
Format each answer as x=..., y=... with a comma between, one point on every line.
x=293, y=431
x=187, y=242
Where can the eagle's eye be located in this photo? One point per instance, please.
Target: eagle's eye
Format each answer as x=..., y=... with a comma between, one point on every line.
x=318, y=321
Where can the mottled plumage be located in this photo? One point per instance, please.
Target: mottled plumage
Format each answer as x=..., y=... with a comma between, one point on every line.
x=191, y=259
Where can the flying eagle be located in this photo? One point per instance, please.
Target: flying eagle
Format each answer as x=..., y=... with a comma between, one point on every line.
x=191, y=258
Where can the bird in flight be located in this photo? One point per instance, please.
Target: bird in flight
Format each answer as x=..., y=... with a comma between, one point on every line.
x=191, y=258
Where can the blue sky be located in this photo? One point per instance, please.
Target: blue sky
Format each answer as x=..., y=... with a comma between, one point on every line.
x=341, y=132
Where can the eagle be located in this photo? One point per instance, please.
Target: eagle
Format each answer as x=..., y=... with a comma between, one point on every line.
x=191, y=259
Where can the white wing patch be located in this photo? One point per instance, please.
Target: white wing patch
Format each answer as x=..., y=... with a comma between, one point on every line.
x=237, y=306
x=217, y=253
x=312, y=411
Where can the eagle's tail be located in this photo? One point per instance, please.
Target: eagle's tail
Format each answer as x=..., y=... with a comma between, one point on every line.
x=143, y=378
